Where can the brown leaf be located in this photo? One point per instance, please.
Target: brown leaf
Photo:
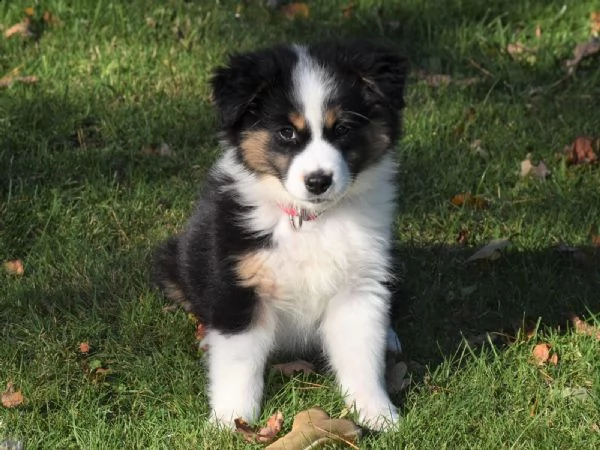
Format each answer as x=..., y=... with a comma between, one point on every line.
x=11, y=398
x=84, y=347
x=537, y=171
x=467, y=199
x=9, y=80
x=582, y=51
x=538, y=31
x=553, y=359
x=437, y=79
x=491, y=251
x=268, y=433
x=290, y=368
x=463, y=237
x=541, y=353
x=14, y=267
x=295, y=10
x=583, y=327
x=581, y=151
x=595, y=23
x=348, y=10
x=22, y=28
x=162, y=149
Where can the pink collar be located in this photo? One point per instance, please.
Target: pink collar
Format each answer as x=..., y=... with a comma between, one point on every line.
x=301, y=215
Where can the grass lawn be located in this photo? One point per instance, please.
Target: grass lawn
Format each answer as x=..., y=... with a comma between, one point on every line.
x=85, y=195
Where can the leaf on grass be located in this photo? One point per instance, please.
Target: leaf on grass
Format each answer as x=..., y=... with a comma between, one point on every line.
x=266, y=434
x=200, y=332
x=574, y=252
x=9, y=80
x=84, y=347
x=478, y=149
x=582, y=327
x=581, y=151
x=579, y=394
x=536, y=171
x=313, y=428
x=22, y=28
x=595, y=23
x=295, y=10
x=542, y=354
x=14, y=267
x=582, y=51
x=491, y=251
x=162, y=149
x=468, y=199
x=348, y=10
x=11, y=398
x=520, y=52
x=463, y=237
x=538, y=31
x=290, y=368
x=438, y=79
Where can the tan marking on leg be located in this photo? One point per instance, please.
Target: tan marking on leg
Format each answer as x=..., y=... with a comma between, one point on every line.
x=253, y=272
x=298, y=121
x=254, y=147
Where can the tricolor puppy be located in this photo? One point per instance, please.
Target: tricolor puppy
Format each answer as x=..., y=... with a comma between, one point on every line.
x=288, y=248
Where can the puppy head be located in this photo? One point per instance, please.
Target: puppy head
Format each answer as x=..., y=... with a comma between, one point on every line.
x=313, y=117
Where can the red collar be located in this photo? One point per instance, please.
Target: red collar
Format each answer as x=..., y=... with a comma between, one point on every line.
x=301, y=215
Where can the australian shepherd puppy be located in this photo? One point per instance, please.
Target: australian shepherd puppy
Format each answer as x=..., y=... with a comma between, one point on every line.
x=289, y=245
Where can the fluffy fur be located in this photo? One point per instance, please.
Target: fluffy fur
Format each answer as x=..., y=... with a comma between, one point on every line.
x=306, y=131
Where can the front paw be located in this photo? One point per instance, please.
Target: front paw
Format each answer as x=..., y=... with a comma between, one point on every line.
x=377, y=417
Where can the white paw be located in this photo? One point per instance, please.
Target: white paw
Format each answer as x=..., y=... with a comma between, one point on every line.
x=226, y=419
x=378, y=417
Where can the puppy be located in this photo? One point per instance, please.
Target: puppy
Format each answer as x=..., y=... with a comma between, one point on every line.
x=289, y=246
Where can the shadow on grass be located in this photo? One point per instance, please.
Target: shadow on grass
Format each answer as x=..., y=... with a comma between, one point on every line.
x=60, y=143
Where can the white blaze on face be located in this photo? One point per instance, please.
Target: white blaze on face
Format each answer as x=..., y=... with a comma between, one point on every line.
x=313, y=87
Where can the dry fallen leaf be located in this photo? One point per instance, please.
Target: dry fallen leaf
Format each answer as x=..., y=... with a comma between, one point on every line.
x=22, y=28
x=478, y=149
x=491, y=251
x=290, y=368
x=467, y=199
x=14, y=267
x=581, y=151
x=200, y=332
x=520, y=52
x=595, y=23
x=582, y=51
x=463, y=237
x=541, y=353
x=313, y=427
x=438, y=79
x=583, y=327
x=265, y=434
x=84, y=347
x=9, y=80
x=11, y=398
x=348, y=10
x=272, y=429
x=538, y=31
x=163, y=149
x=295, y=10
x=576, y=253
x=537, y=171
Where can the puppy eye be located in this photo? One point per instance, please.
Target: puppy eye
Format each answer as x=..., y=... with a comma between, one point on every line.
x=287, y=134
x=341, y=130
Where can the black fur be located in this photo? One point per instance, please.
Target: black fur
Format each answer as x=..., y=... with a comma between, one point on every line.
x=253, y=93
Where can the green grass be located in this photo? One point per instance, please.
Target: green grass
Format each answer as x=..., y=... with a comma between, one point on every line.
x=83, y=207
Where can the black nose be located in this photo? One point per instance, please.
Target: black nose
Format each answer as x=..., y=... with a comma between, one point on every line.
x=317, y=182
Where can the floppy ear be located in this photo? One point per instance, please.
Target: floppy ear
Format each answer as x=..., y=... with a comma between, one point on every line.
x=235, y=87
x=381, y=69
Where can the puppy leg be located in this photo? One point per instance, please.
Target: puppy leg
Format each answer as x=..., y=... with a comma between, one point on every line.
x=236, y=373
x=354, y=330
